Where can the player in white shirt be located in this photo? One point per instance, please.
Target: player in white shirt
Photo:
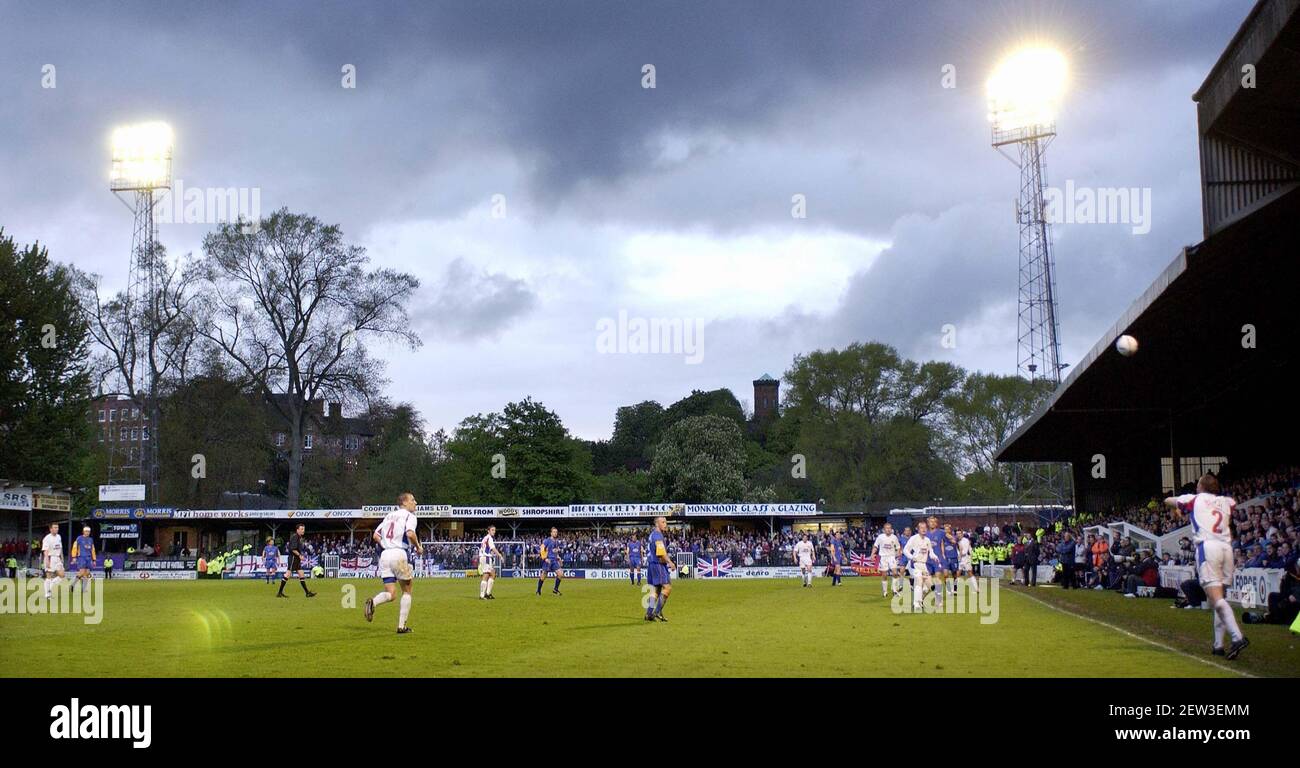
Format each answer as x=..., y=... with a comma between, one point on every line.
x=1211, y=518
x=803, y=555
x=52, y=558
x=488, y=557
x=395, y=534
x=886, y=550
x=964, y=565
x=920, y=551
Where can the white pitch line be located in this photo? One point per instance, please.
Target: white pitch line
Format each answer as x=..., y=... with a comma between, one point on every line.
x=1122, y=631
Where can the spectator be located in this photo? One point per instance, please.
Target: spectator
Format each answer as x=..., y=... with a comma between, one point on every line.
x=1065, y=553
x=1031, y=562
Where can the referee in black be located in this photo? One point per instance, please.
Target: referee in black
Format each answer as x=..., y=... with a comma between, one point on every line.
x=295, y=546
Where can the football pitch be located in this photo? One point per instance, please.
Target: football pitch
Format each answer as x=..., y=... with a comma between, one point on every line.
x=728, y=628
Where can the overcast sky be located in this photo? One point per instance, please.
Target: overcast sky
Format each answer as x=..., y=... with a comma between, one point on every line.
x=673, y=202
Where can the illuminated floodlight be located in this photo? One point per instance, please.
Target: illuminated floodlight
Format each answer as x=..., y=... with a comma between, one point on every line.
x=1026, y=88
x=142, y=157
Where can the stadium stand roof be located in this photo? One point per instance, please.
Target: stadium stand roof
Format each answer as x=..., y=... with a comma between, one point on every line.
x=1197, y=386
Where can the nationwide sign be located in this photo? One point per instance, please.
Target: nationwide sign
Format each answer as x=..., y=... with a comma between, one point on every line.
x=121, y=493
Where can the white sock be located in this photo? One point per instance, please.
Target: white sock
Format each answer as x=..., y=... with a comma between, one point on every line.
x=975, y=585
x=405, y=610
x=1229, y=620
x=482, y=588
x=48, y=582
x=490, y=583
x=381, y=598
x=884, y=587
x=1218, y=631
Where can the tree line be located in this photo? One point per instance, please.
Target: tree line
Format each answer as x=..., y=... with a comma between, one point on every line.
x=242, y=339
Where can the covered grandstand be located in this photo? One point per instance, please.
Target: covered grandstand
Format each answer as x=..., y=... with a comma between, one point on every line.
x=1217, y=370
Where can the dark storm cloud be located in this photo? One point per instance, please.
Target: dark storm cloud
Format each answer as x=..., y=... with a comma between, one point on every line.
x=556, y=84
x=473, y=303
x=541, y=102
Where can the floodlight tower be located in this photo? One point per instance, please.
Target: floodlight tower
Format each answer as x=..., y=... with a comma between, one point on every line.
x=142, y=173
x=1024, y=94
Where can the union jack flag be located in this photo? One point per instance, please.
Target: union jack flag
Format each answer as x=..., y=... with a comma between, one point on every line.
x=714, y=567
x=859, y=560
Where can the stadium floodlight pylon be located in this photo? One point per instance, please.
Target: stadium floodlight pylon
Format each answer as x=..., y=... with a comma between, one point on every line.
x=141, y=174
x=1024, y=95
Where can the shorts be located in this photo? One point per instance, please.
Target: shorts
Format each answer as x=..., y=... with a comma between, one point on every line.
x=1214, y=564
x=550, y=566
x=486, y=565
x=921, y=572
x=295, y=564
x=634, y=562
x=964, y=565
x=84, y=564
x=56, y=564
x=888, y=564
x=272, y=565
x=950, y=566
x=394, y=566
x=805, y=564
x=932, y=566
x=657, y=574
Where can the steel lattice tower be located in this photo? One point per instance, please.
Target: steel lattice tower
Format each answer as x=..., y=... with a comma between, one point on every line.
x=1038, y=350
x=141, y=176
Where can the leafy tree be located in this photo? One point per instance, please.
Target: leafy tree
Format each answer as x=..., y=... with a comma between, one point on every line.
x=700, y=459
x=636, y=430
x=44, y=379
x=622, y=486
x=465, y=473
x=717, y=402
x=399, y=459
x=221, y=421
x=984, y=412
x=544, y=465
x=867, y=423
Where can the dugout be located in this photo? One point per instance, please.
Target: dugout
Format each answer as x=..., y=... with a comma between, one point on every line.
x=1216, y=370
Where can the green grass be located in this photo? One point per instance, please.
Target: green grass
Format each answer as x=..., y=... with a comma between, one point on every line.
x=727, y=628
x=1273, y=651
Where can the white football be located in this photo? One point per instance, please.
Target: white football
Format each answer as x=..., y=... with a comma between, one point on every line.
x=1126, y=345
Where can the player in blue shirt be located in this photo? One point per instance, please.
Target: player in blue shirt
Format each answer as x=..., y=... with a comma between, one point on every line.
x=551, y=561
x=939, y=544
x=271, y=559
x=83, y=556
x=949, y=555
x=660, y=571
x=836, y=546
x=634, y=561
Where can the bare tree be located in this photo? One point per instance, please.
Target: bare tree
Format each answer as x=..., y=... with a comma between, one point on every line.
x=290, y=304
x=154, y=339
x=144, y=348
